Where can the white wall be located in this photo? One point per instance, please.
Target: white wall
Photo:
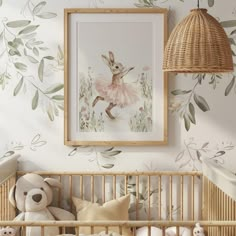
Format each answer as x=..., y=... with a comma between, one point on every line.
x=40, y=141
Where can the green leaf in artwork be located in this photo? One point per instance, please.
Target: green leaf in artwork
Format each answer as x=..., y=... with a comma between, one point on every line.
x=36, y=51
x=211, y=3
x=50, y=113
x=201, y=102
x=20, y=66
x=180, y=92
x=32, y=59
x=39, y=7
x=230, y=86
x=186, y=122
x=228, y=23
x=49, y=57
x=54, y=88
x=35, y=100
x=29, y=29
x=18, y=23
x=41, y=69
x=0, y=3
x=192, y=113
x=47, y=15
x=58, y=97
x=18, y=86
x=233, y=53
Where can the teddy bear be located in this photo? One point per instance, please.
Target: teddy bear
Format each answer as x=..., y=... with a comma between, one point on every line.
x=32, y=196
x=198, y=230
x=7, y=231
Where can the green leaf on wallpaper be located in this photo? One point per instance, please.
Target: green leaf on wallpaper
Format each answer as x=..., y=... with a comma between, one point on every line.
x=180, y=92
x=230, y=86
x=54, y=88
x=192, y=113
x=39, y=7
x=41, y=69
x=228, y=23
x=28, y=36
x=35, y=100
x=201, y=102
x=231, y=41
x=43, y=48
x=20, y=66
x=186, y=122
x=233, y=32
x=49, y=58
x=58, y=97
x=47, y=15
x=0, y=3
x=179, y=156
x=108, y=166
x=18, y=23
x=36, y=51
x=110, y=154
x=18, y=86
x=233, y=53
x=29, y=29
x=50, y=113
x=32, y=59
x=211, y=3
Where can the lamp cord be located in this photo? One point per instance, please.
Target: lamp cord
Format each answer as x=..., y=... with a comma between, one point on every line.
x=198, y=4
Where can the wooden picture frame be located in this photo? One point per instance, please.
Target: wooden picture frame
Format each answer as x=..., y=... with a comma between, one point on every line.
x=115, y=89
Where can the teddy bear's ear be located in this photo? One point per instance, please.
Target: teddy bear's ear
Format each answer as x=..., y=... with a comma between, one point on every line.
x=11, y=196
x=53, y=182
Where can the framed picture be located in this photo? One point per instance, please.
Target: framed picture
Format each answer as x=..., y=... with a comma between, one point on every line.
x=115, y=89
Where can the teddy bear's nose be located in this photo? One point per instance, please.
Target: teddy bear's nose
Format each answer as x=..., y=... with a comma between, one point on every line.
x=37, y=197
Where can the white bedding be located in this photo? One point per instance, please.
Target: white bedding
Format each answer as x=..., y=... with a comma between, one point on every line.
x=143, y=231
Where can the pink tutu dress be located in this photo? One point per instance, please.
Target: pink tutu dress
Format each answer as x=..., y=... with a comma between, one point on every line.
x=116, y=91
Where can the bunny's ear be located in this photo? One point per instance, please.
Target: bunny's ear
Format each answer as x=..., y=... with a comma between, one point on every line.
x=111, y=56
x=106, y=60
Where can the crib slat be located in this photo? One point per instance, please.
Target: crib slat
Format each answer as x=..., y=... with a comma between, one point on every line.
x=114, y=186
x=181, y=197
x=149, y=205
x=70, y=190
x=81, y=186
x=192, y=197
x=103, y=189
x=137, y=197
x=159, y=196
x=92, y=188
x=170, y=198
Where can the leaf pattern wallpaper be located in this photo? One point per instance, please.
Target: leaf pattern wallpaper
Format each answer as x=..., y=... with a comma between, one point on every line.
x=202, y=112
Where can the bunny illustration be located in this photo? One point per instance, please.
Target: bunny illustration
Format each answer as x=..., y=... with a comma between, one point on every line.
x=115, y=91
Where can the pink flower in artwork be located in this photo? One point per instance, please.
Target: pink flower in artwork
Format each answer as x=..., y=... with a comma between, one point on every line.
x=146, y=68
x=83, y=109
x=149, y=119
x=141, y=108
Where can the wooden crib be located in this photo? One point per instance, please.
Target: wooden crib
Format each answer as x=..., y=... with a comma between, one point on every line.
x=167, y=198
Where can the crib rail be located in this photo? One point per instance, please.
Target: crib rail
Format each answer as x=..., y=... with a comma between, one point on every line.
x=7, y=211
x=165, y=195
x=219, y=226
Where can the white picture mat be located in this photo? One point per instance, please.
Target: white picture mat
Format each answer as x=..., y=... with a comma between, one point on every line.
x=157, y=37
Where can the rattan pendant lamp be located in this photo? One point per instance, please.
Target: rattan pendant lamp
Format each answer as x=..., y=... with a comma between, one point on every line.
x=198, y=44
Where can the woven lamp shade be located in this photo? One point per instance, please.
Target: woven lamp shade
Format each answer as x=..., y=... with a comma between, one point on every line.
x=198, y=44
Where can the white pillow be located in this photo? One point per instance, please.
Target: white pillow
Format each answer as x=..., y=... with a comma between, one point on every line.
x=143, y=231
x=182, y=231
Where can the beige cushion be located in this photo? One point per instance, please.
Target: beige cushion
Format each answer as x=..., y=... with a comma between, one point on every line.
x=114, y=210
